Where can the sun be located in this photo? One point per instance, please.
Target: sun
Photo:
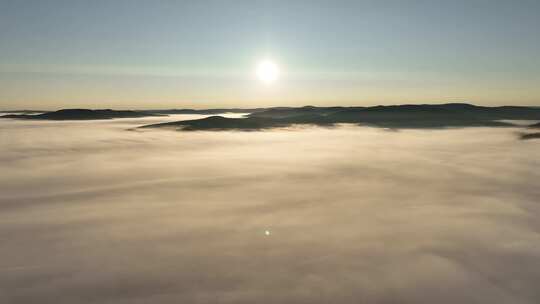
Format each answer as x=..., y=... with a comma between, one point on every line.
x=267, y=71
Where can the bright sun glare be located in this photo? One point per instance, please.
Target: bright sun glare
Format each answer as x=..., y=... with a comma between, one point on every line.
x=267, y=71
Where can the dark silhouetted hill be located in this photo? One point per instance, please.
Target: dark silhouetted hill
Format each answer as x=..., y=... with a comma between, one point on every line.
x=527, y=136
x=81, y=114
x=397, y=117
x=220, y=123
x=283, y=112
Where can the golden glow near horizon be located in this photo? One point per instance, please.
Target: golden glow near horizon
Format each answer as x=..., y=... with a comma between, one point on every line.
x=227, y=54
x=267, y=71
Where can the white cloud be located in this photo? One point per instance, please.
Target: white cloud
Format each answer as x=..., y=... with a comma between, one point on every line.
x=92, y=213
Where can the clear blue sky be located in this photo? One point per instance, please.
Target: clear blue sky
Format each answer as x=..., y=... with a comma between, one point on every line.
x=153, y=54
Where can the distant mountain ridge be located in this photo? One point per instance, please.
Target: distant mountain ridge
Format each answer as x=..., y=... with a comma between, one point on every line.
x=81, y=114
x=393, y=116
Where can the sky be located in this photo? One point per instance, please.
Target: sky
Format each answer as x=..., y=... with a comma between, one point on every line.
x=201, y=54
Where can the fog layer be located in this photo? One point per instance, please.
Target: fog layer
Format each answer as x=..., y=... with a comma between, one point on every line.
x=93, y=213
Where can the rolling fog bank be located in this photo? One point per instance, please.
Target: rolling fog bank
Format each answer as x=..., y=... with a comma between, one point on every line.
x=93, y=213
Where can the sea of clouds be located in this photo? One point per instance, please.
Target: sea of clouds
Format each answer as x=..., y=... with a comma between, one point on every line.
x=93, y=212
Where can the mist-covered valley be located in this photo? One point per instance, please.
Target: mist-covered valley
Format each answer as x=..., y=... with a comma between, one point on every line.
x=104, y=212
